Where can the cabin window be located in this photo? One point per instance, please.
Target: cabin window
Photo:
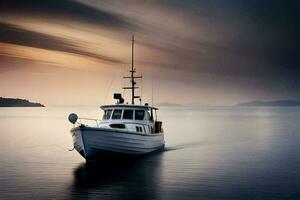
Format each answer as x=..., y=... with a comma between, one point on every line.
x=128, y=114
x=147, y=117
x=107, y=114
x=121, y=126
x=117, y=114
x=139, y=129
x=139, y=114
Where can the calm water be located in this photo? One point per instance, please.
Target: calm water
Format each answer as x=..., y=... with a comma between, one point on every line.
x=211, y=153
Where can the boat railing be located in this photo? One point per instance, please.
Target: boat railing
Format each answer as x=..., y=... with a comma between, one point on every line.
x=88, y=119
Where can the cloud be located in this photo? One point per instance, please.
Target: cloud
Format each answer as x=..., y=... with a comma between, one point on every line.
x=257, y=41
x=16, y=35
x=65, y=9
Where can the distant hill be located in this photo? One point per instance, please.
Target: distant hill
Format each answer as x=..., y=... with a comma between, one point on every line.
x=197, y=105
x=167, y=104
x=271, y=103
x=14, y=102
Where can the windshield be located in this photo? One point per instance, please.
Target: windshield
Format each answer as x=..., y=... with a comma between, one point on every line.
x=128, y=114
x=139, y=114
x=117, y=114
x=107, y=114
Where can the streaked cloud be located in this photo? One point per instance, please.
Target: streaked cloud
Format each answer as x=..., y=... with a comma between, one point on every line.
x=237, y=50
x=63, y=9
x=15, y=35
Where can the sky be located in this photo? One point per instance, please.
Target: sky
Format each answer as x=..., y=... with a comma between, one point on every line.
x=75, y=52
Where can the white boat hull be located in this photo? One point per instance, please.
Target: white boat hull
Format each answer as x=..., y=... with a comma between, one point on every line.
x=92, y=142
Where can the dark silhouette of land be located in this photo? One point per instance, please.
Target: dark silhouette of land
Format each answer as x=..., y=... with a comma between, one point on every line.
x=278, y=103
x=167, y=104
x=15, y=102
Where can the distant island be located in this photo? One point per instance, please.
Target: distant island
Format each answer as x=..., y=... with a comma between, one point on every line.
x=167, y=104
x=278, y=103
x=15, y=102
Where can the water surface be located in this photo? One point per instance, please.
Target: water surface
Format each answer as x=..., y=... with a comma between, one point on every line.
x=211, y=153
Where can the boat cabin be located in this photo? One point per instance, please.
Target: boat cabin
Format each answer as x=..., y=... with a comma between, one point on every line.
x=133, y=118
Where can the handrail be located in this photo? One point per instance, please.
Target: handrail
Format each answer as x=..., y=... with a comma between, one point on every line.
x=91, y=119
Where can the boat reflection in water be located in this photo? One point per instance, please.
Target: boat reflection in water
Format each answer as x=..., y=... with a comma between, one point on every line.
x=122, y=179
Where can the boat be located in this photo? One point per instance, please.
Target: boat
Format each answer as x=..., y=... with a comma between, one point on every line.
x=126, y=129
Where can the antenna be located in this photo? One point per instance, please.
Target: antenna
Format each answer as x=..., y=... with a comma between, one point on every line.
x=132, y=77
x=152, y=85
x=141, y=91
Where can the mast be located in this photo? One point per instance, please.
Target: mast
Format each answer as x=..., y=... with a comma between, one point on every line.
x=132, y=71
x=132, y=77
